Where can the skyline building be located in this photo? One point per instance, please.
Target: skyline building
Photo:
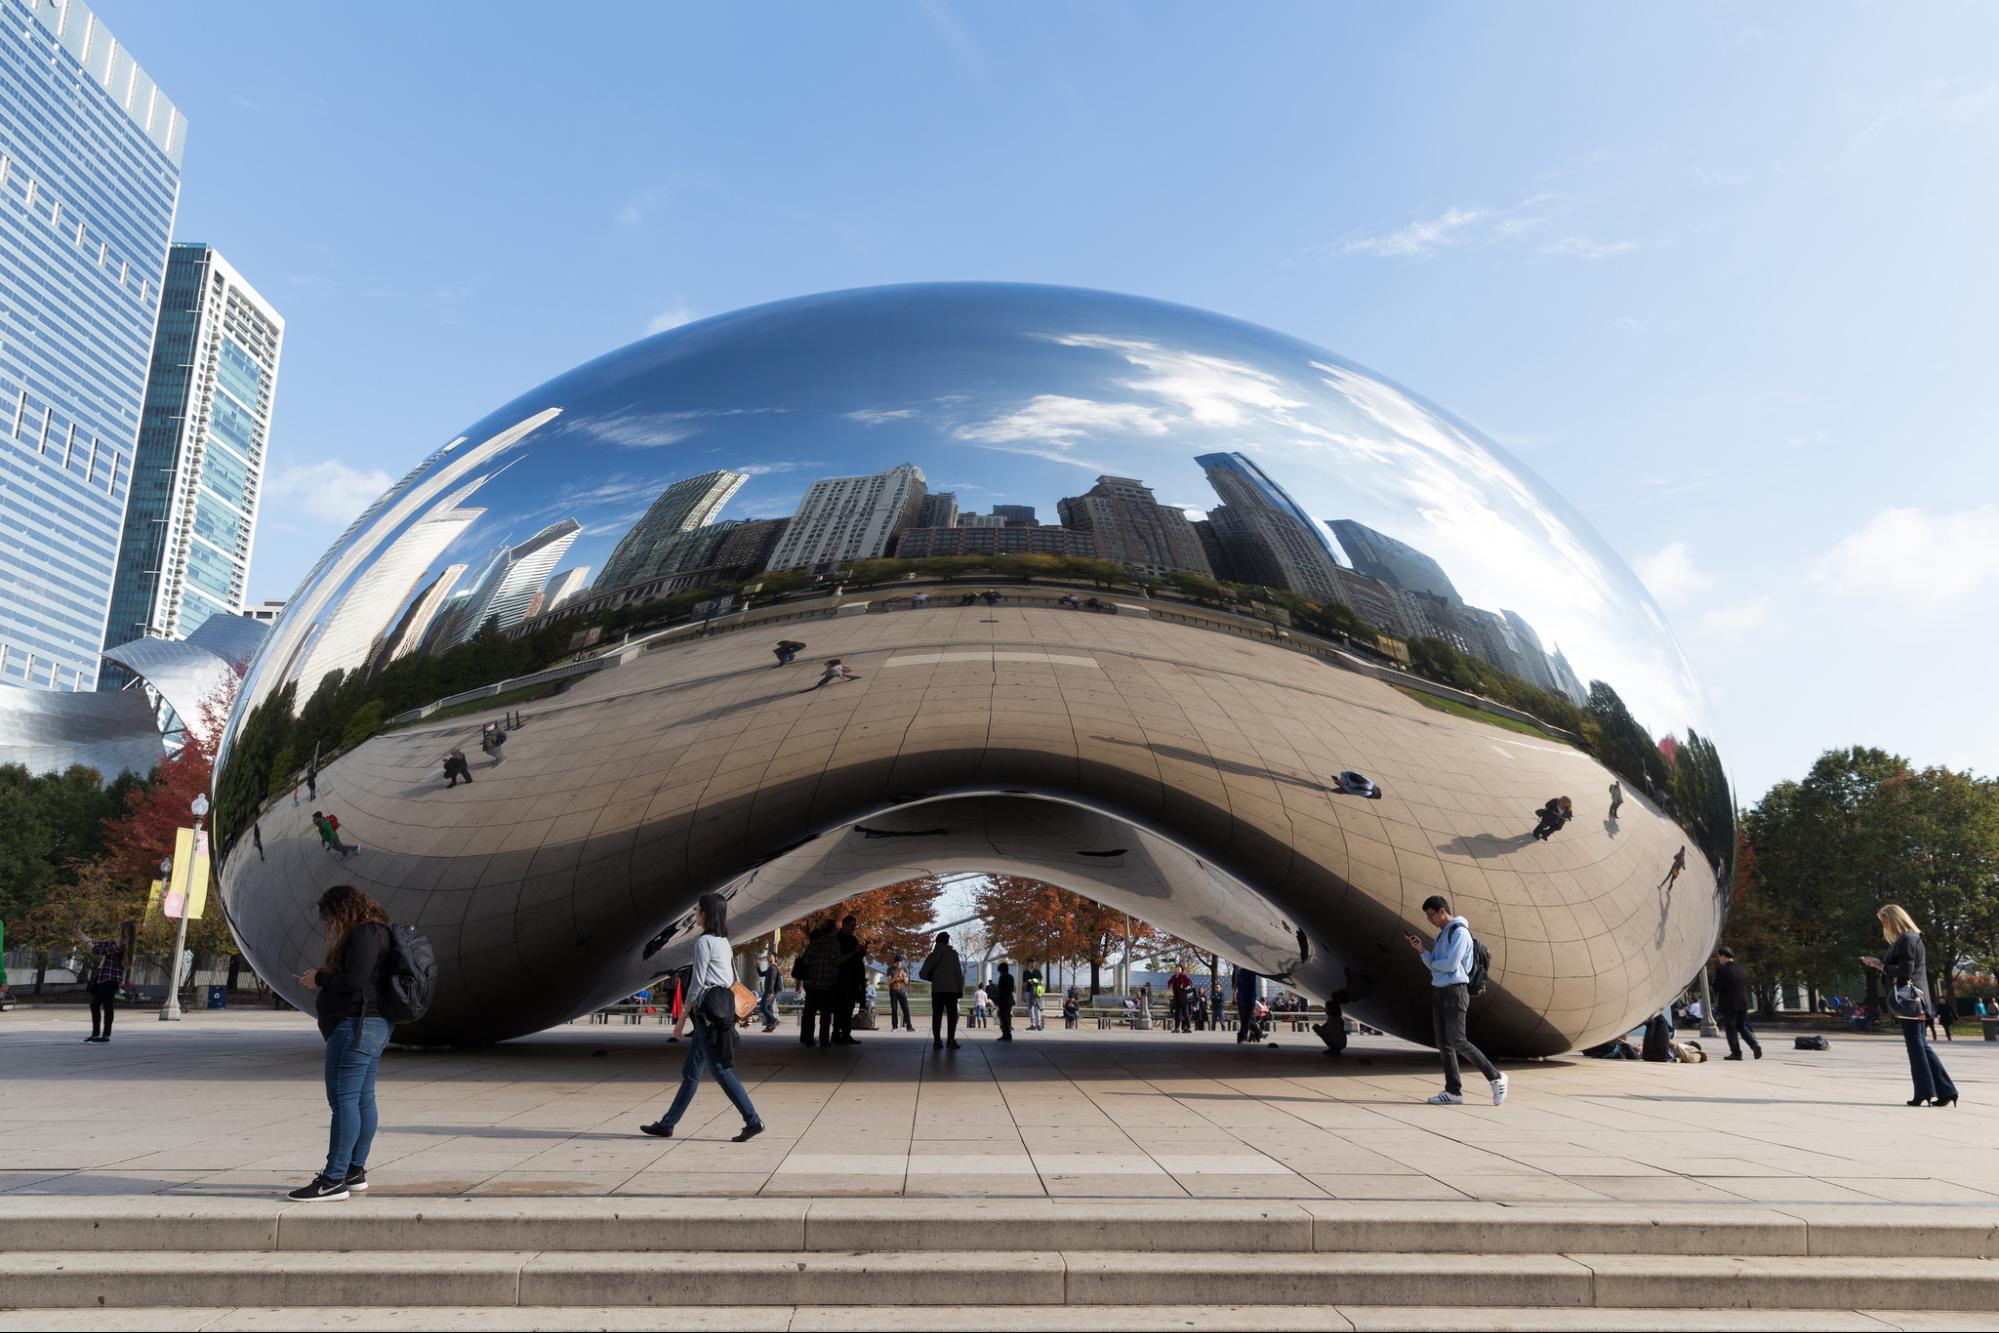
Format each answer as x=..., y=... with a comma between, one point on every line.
x=198, y=472
x=850, y=518
x=1263, y=529
x=526, y=568
x=1395, y=563
x=1128, y=524
x=971, y=520
x=938, y=510
x=1566, y=679
x=1016, y=516
x=366, y=612
x=423, y=611
x=681, y=507
x=89, y=183
x=1537, y=656
x=564, y=584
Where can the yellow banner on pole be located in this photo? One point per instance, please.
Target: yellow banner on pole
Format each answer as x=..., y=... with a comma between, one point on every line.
x=153, y=898
x=176, y=903
x=197, y=881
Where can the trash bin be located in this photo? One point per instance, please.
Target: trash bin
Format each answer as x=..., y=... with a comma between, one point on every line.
x=218, y=997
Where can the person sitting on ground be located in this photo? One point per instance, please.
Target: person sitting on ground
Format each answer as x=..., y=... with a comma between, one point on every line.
x=1553, y=815
x=835, y=670
x=1072, y=1008
x=787, y=650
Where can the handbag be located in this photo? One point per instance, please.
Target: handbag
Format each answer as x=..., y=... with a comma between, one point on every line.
x=746, y=1001
x=1907, y=1002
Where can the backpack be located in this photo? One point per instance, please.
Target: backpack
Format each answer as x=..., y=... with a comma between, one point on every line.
x=409, y=976
x=1812, y=1044
x=1481, y=966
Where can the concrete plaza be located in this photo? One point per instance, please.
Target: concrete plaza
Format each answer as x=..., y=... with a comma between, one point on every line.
x=232, y=1104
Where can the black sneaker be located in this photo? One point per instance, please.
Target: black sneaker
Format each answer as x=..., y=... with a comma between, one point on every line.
x=1758, y=1050
x=357, y=1179
x=318, y=1190
x=659, y=1129
x=749, y=1132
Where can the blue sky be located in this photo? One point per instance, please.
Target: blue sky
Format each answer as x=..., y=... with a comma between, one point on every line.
x=1722, y=276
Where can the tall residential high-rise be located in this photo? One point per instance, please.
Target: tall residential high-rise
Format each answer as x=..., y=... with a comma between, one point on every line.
x=1016, y=516
x=199, y=468
x=939, y=510
x=968, y=519
x=90, y=153
x=1566, y=679
x=423, y=611
x=682, y=507
x=922, y=543
x=371, y=605
x=1264, y=529
x=1395, y=563
x=850, y=518
x=1129, y=525
x=524, y=570
x=1540, y=671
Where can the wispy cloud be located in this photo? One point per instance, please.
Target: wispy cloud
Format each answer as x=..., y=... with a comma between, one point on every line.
x=327, y=492
x=1937, y=103
x=767, y=469
x=876, y=416
x=953, y=32
x=1531, y=222
x=1056, y=419
x=670, y=318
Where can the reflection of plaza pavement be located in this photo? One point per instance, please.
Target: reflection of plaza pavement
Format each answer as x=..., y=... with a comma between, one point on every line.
x=233, y=1104
x=693, y=762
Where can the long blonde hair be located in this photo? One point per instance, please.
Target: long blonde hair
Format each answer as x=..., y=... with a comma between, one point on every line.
x=1895, y=923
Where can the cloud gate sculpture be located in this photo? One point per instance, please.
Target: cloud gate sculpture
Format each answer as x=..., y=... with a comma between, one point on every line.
x=1120, y=589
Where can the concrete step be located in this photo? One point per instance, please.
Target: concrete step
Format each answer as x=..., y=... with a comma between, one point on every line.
x=603, y=1225
x=997, y=1318
x=107, y=1279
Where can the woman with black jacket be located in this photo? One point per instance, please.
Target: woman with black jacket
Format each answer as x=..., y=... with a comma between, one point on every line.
x=357, y=943
x=1906, y=965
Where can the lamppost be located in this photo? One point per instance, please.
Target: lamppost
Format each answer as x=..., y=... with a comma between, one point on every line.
x=170, y=1011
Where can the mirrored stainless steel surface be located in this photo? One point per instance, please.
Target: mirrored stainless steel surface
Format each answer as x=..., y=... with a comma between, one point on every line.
x=1214, y=554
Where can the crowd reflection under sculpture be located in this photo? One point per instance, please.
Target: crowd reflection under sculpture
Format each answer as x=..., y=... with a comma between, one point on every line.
x=753, y=477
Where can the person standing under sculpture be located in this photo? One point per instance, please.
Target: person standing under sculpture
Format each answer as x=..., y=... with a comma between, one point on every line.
x=1003, y=993
x=1450, y=962
x=1732, y=1003
x=768, y=979
x=712, y=1039
x=1180, y=986
x=1031, y=989
x=818, y=972
x=898, y=995
x=852, y=980
x=1905, y=967
x=946, y=976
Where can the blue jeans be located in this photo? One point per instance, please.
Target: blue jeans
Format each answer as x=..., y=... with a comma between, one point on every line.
x=700, y=1057
x=350, y=1092
x=1927, y=1070
x=767, y=1009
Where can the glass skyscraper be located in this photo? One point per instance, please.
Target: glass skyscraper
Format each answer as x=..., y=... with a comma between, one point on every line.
x=90, y=155
x=200, y=462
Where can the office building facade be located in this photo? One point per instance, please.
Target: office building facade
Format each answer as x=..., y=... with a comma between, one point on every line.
x=938, y=510
x=1128, y=524
x=90, y=157
x=1395, y=563
x=198, y=472
x=923, y=543
x=850, y=518
x=683, y=507
x=1265, y=531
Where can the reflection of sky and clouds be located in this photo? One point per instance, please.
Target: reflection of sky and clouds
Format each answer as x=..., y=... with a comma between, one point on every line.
x=1023, y=395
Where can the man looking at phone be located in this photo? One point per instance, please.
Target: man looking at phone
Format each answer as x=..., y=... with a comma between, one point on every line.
x=1450, y=964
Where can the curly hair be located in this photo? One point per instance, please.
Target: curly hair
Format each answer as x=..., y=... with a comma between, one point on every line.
x=342, y=908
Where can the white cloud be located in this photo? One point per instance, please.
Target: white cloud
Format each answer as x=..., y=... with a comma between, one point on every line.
x=328, y=491
x=1425, y=236
x=670, y=318
x=1671, y=575
x=766, y=469
x=1056, y=419
x=876, y=416
x=1919, y=559
x=1481, y=226
x=1581, y=247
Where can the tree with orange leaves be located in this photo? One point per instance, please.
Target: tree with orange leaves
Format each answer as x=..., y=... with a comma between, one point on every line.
x=892, y=918
x=1030, y=919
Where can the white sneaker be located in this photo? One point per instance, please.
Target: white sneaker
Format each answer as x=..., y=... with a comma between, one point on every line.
x=1447, y=1099
x=1499, y=1090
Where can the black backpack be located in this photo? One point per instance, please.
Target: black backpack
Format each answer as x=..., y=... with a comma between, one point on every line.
x=409, y=976
x=1481, y=967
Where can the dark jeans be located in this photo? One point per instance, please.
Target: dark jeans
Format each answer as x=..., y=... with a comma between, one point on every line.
x=898, y=1010
x=845, y=997
x=1447, y=1010
x=1924, y=1067
x=701, y=1056
x=103, y=1001
x=943, y=1010
x=351, y=1064
x=1181, y=1021
x=1005, y=1012
x=767, y=1009
x=1736, y=1025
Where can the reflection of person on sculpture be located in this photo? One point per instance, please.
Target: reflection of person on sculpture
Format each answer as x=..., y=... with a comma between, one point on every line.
x=1616, y=797
x=786, y=650
x=1557, y=812
x=834, y=671
x=1673, y=871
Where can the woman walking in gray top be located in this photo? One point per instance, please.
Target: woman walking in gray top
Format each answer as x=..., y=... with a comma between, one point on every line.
x=712, y=1042
x=1905, y=967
